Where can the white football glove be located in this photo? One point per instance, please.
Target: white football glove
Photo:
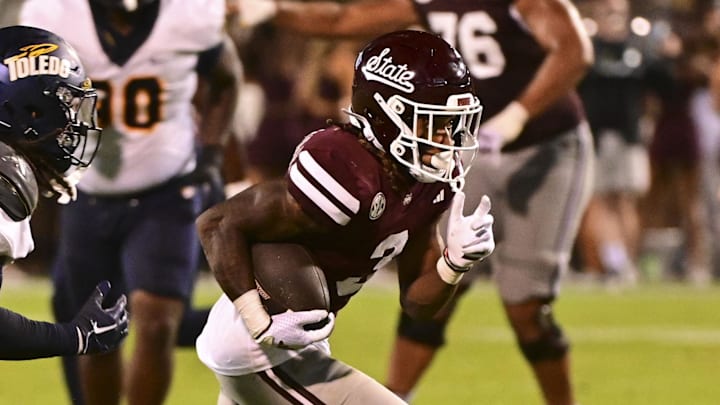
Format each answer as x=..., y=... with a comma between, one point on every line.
x=288, y=330
x=469, y=239
x=295, y=329
x=502, y=128
x=254, y=12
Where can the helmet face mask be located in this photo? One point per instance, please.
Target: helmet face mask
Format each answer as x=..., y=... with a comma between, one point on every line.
x=47, y=103
x=80, y=139
x=412, y=98
x=454, y=124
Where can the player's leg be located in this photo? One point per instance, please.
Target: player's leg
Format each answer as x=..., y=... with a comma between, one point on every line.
x=62, y=310
x=160, y=263
x=155, y=322
x=415, y=346
x=311, y=378
x=416, y=341
x=191, y=324
x=610, y=230
x=86, y=254
x=544, y=347
x=552, y=186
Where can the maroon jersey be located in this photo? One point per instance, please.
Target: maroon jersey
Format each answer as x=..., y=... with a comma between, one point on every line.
x=339, y=183
x=503, y=58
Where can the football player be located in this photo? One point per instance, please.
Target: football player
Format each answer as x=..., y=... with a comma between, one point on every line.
x=134, y=218
x=525, y=57
x=357, y=196
x=48, y=136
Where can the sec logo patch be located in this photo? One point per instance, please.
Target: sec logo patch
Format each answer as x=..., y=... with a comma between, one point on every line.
x=377, y=207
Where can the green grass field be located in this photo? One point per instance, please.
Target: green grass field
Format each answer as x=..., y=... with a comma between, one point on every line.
x=655, y=344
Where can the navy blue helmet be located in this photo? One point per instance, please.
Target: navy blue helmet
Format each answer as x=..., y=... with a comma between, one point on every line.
x=47, y=102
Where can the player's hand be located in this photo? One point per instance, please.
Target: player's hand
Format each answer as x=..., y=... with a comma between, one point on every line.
x=297, y=329
x=254, y=12
x=208, y=174
x=470, y=238
x=101, y=329
x=503, y=128
x=489, y=142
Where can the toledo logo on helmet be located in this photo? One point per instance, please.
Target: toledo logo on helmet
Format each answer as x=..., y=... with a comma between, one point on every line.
x=382, y=69
x=34, y=61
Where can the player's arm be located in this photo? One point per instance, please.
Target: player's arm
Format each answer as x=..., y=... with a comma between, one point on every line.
x=422, y=291
x=265, y=212
x=93, y=330
x=23, y=339
x=219, y=73
x=346, y=19
x=468, y=240
x=557, y=27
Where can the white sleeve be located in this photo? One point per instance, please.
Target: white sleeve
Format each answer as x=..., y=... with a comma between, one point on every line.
x=15, y=237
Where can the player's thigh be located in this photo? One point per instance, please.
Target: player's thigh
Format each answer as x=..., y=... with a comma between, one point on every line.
x=88, y=250
x=161, y=253
x=312, y=378
x=540, y=230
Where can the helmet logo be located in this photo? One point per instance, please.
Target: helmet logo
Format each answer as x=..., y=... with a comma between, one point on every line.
x=34, y=61
x=382, y=69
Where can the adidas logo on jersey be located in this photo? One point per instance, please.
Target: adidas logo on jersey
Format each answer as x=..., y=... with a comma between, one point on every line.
x=33, y=61
x=381, y=69
x=440, y=197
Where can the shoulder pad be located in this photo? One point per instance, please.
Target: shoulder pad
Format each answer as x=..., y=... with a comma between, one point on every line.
x=18, y=186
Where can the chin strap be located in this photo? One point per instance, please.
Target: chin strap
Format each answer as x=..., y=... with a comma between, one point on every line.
x=362, y=123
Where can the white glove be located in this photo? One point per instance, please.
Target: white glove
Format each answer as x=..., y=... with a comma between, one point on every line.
x=489, y=142
x=469, y=239
x=294, y=329
x=254, y=12
x=288, y=330
x=502, y=128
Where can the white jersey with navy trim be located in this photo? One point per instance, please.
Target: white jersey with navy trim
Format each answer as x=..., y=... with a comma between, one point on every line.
x=145, y=104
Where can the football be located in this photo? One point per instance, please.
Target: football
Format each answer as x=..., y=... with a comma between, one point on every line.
x=287, y=277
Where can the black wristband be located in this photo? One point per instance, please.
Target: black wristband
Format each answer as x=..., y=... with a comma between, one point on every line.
x=453, y=266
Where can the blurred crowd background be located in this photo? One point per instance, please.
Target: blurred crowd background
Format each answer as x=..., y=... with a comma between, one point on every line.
x=652, y=99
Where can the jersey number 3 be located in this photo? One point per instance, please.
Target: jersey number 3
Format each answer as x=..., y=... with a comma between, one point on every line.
x=386, y=251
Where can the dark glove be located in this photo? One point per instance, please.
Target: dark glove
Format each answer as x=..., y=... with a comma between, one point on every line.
x=101, y=329
x=208, y=174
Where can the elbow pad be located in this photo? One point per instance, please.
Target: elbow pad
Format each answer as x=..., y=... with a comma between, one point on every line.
x=18, y=186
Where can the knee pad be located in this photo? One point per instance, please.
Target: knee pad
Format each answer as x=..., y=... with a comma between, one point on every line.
x=552, y=343
x=428, y=332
